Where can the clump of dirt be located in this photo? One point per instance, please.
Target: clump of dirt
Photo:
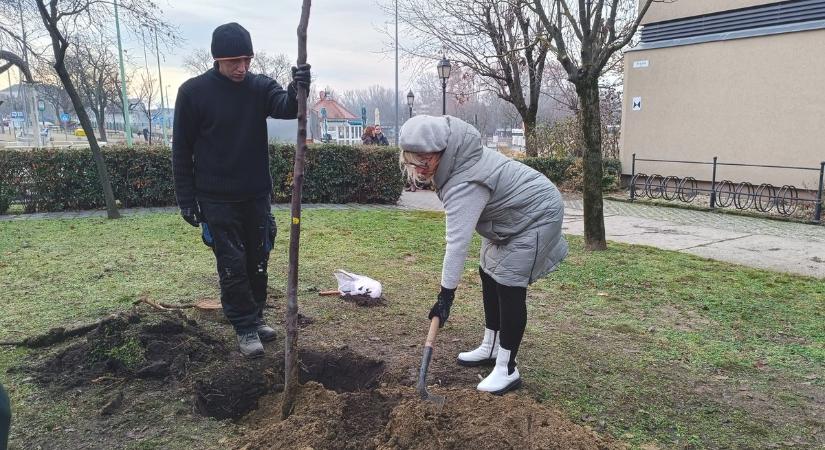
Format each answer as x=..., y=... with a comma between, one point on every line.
x=365, y=300
x=395, y=418
x=470, y=419
x=133, y=345
x=233, y=390
x=304, y=321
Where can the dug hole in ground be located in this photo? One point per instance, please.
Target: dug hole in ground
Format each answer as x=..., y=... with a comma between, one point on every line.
x=348, y=399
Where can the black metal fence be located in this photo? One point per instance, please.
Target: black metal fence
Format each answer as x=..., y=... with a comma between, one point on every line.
x=764, y=197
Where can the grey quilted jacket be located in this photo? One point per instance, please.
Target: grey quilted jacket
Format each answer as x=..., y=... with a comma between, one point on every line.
x=521, y=224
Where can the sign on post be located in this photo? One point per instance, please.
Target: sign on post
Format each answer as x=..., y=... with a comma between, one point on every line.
x=41, y=105
x=17, y=118
x=64, y=117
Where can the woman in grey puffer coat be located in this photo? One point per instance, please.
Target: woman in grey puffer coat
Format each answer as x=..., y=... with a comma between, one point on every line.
x=517, y=211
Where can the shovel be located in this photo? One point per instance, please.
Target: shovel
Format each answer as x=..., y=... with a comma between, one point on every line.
x=425, y=364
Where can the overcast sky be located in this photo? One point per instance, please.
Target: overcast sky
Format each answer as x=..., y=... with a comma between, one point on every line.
x=344, y=45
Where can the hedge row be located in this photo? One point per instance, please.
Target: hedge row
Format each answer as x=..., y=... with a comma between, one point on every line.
x=66, y=179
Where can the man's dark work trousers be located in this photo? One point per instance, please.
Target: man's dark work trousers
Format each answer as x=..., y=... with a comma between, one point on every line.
x=5, y=418
x=242, y=233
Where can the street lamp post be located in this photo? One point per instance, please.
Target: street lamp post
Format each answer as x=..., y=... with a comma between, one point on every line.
x=160, y=83
x=444, y=73
x=127, y=126
x=410, y=100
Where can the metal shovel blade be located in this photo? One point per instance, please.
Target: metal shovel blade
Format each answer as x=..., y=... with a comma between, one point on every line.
x=422, y=379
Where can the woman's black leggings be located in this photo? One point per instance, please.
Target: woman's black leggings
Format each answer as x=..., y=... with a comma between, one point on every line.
x=505, y=310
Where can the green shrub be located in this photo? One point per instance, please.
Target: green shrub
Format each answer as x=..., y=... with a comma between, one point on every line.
x=66, y=179
x=5, y=199
x=553, y=168
x=568, y=173
x=6, y=193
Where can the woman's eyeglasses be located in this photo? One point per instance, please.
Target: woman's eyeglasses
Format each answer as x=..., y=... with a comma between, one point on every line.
x=426, y=162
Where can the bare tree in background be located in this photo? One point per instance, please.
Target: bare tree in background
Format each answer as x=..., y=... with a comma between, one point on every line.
x=373, y=97
x=499, y=41
x=564, y=137
x=62, y=21
x=198, y=62
x=147, y=95
x=50, y=89
x=116, y=102
x=585, y=36
x=94, y=68
x=276, y=67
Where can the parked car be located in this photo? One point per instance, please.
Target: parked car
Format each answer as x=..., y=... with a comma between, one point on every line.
x=79, y=132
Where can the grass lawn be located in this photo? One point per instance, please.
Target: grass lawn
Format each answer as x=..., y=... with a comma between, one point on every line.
x=656, y=348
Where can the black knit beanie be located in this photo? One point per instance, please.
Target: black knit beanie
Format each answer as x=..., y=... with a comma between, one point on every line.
x=231, y=40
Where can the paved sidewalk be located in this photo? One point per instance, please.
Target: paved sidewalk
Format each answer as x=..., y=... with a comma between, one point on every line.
x=762, y=243
x=750, y=241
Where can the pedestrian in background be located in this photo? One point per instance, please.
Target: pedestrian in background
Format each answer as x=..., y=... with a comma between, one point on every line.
x=368, y=138
x=380, y=139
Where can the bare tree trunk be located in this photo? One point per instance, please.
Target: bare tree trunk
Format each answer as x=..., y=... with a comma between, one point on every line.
x=291, y=342
x=594, y=230
x=530, y=138
x=100, y=116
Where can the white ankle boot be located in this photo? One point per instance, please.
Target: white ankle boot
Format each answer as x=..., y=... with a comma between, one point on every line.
x=485, y=354
x=500, y=381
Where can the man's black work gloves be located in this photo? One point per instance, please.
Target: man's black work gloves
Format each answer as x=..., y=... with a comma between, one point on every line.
x=442, y=306
x=191, y=215
x=301, y=76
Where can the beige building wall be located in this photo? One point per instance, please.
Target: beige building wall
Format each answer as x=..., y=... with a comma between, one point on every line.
x=659, y=12
x=757, y=100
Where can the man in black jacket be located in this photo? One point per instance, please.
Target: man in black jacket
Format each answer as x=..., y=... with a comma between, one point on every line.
x=220, y=159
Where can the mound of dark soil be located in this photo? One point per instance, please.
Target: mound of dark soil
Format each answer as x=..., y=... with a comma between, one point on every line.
x=152, y=345
x=395, y=418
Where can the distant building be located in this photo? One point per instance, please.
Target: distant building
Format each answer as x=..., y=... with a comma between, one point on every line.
x=329, y=121
x=737, y=79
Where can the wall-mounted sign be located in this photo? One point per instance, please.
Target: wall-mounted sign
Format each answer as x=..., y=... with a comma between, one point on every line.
x=637, y=103
x=641, y=64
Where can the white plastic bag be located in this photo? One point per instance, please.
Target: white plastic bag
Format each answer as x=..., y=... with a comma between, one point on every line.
x=354, y=284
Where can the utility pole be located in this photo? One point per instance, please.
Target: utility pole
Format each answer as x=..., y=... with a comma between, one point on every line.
x=127, y=126
x=160, y=83
x=149, y=83
x=397, y=130
x=31, y=104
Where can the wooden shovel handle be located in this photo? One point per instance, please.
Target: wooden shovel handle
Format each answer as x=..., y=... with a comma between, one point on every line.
x=333, y=292
x=433, y=332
